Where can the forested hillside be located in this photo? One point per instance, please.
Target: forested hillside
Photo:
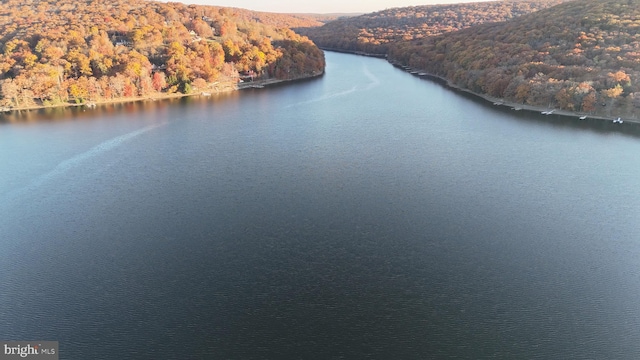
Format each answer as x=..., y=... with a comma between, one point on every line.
x=372, y=33
x=580, y=56
x=53, y=51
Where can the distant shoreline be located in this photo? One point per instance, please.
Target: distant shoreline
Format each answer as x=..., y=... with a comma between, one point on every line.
x=494, y=100
x=271, y=82
x=514, y=105
x=361, y=53
x=223, y=88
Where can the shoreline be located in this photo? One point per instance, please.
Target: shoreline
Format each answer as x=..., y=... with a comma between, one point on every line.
x=220, y=89
x=496, y=101
x=512, y=105
x=361, y=53
x=259, y=84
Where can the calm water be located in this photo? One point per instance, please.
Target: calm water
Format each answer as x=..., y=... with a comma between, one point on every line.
x=364, y=215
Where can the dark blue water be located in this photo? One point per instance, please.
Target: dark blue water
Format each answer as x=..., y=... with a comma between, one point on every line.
x=367, y=214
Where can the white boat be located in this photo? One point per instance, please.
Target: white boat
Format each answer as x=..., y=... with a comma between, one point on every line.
x=618, y=120
x=205, y=94
x=583, y=117
x=547, y=112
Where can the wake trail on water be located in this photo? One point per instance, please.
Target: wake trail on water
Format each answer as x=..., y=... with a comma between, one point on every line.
x=375, y=81
x=324, y=97
x=77, y=160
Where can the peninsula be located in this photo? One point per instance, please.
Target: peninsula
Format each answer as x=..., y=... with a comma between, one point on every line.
x=58, y=53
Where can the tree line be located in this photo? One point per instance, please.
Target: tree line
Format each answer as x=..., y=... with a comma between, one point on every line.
x=55, y=51
x=580, y=56
x=374, y=33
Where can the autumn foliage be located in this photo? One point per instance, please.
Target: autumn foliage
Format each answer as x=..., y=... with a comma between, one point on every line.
x=374, y=33
x=581, y=56
x=55, y=51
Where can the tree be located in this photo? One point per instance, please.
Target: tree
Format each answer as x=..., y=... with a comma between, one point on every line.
x=78, y=64
x=612, y=93
x=176, y=50
x=564, y=99
x=24, y=84
x=51, y=52
x=10, y=90
x=231, y=51
x=94, y=89
x=589, y=102
x=202, y=28
x=199, y=84
x=619, y=77
x=78, y=89
x=116, y=84
x=44, y=86
x=159, y=81
x=522, y=92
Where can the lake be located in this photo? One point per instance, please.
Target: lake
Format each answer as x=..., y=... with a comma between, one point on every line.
x=366, y=214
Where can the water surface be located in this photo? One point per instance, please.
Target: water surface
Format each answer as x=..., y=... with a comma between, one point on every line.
x=366, y=214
